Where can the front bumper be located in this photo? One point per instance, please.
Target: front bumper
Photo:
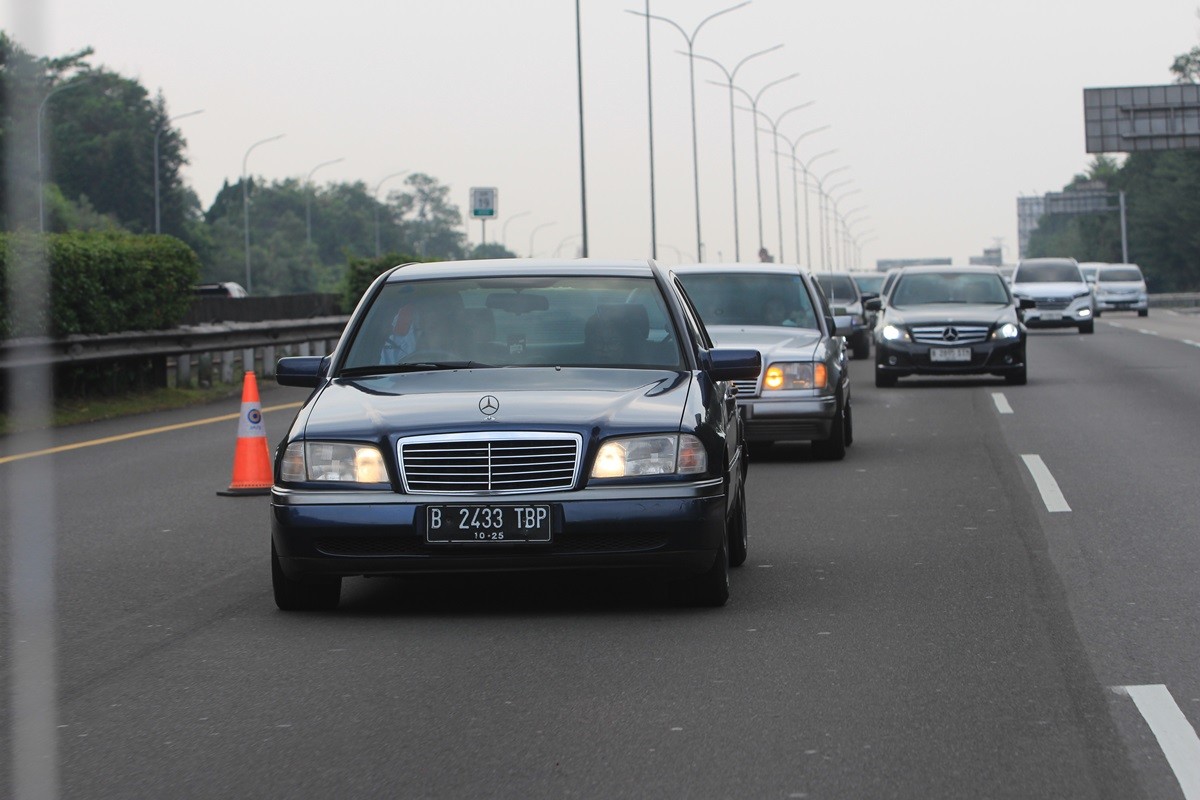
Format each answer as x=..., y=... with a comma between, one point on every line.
x=675, y=528
x=1072, y=315
x=987, y=358
x=1126, y=303
x=787, y=419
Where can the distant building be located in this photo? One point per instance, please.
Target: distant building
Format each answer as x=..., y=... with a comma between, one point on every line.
x=992, y=257
x=1029, y=215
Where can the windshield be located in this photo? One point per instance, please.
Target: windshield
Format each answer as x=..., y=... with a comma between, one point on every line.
x=869, y=284
x=583, y=321
x=1121, y=274
x=1053, y=272
x=950, y=287
x=837, y=287
x=741, y=298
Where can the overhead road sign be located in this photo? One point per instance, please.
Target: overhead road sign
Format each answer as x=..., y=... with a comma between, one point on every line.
x=1138, y=119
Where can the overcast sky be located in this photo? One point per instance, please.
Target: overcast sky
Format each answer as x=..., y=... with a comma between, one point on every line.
x=944, y=111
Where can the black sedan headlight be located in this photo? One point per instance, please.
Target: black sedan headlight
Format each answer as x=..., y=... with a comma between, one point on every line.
x=662, y=454
x=1006, y=332
x=336, y=462
x=893, y=333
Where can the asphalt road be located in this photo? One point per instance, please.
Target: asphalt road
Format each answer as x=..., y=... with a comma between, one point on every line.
x=911, y=622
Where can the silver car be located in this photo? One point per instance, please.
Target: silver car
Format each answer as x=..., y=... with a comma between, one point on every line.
x=1062, y=297
x=803, y=391
x=1122, y=287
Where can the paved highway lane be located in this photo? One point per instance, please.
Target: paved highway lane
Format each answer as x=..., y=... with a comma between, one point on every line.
x=911, y=622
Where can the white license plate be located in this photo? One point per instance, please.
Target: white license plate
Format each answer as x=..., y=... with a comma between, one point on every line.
x=487, y=524
x=1051, y=316
x=942, y=354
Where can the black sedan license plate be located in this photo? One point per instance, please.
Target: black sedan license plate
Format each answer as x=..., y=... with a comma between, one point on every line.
x=487, y=524
x=950, y=354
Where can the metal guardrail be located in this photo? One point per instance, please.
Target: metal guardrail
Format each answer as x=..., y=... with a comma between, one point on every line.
x=1175, y=300
x=224, y=345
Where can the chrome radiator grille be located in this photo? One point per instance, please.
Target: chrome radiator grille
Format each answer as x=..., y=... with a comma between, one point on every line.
x=950, y=334
x=495, y=463
x=747, y=388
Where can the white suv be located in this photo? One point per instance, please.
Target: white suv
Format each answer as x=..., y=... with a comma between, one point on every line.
x=1062, y=297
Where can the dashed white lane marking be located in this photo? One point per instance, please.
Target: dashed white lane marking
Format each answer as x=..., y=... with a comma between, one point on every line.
x=1193, y=344
x=1175, y=735
x=1147, y=332
x=1052, y=496
x=1001, y=403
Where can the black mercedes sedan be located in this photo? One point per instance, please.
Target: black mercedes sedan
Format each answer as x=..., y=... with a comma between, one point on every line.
x=514, y=415
x=950, y=321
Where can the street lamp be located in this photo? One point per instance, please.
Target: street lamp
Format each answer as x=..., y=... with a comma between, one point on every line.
x=821, y=197
x=753, y=99
x=793, y=144
x=533, y=233
x=308, y=198
x=41, y=192
x=729, y=78
x=839, y=224
x=157, y=134
x=504, y=228
x=379, y=186
x=691, y=40
x=246, y=205
x=563, y=241
x=774, y=123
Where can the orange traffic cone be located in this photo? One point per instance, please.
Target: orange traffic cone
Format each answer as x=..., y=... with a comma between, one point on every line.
x=251, y=461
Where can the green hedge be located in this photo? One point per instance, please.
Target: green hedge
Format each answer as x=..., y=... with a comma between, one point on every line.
x=98, y=283
x=361, y=271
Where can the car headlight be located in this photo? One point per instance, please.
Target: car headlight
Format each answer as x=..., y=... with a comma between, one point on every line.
x=1006, y=331
x=332, y=461
x=892, y=333
x=1083, y=293
x=664, y=454
x=795, y=375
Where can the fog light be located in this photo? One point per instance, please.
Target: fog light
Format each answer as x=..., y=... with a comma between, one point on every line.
x=1008, y=359
x=1085, y=312
x=892, y=361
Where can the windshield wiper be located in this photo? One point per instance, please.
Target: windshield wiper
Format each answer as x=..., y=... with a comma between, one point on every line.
x=416, y=366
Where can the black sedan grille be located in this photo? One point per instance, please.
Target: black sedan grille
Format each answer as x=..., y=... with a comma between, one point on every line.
x=950, y=334
x=499, y=463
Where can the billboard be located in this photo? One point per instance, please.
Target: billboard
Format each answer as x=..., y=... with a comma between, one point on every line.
x=1136, y=119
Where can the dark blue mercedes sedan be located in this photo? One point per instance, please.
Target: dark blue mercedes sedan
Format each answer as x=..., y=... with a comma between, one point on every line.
x=514, y=415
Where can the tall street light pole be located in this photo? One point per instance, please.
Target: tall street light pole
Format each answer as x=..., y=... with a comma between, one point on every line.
x=821, y=196
x=157, y=134
x=835, y=223
x=806, y=167
x=774, y=123
x=793, y=144
x=650, y=126
x=41, y=191
x=582, y=170
x=533, y=233
x=691, y=40
x=730, y=76
x=753, y=99
x=504, y=227
x=375, y=194
x=308, y=198
x=246, y=205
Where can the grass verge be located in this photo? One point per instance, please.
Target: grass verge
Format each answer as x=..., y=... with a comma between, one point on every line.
x=73, y=412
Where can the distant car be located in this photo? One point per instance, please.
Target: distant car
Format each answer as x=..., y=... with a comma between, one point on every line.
x=226, y=289
x=509, y=415
x=846, y=301
x=803, y=390
x=1063, y=298
x=1089, y=269
x=870, y=284
x=950, y=321
x=1122, y=287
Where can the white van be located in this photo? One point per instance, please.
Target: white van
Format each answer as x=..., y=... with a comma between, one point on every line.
x=1122, y=287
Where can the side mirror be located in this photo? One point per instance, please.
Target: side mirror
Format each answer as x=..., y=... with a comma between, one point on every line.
x=733, y=365
x=1025, y=302
x=306, y=371
x=873, y=303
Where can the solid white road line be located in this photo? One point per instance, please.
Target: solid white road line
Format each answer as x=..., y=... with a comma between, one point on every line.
x=1175, y=735
x=1052, y=496
x=1001, y=403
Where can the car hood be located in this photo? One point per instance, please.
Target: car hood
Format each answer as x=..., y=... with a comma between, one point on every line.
x=950, y=314
x=531, y=398
x=1049, y=289
x=799, y=343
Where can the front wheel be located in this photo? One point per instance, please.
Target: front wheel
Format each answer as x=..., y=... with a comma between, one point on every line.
x=1016, y=378
x=833, y=448
x=1143, y=312
x=318, y=594
x=883, y=380
x=861, y=347
x=739, y=537
x=712, y=588
x=1087, y=327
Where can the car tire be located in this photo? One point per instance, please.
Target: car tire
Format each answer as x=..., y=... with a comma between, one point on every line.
x=711, y=589
x=849, y=423
x=833, y=448
x=1016, y=378
x=739, y=536
x=320, y=594
x=1087, y=327
x=1143, y=312
x=883, y=380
